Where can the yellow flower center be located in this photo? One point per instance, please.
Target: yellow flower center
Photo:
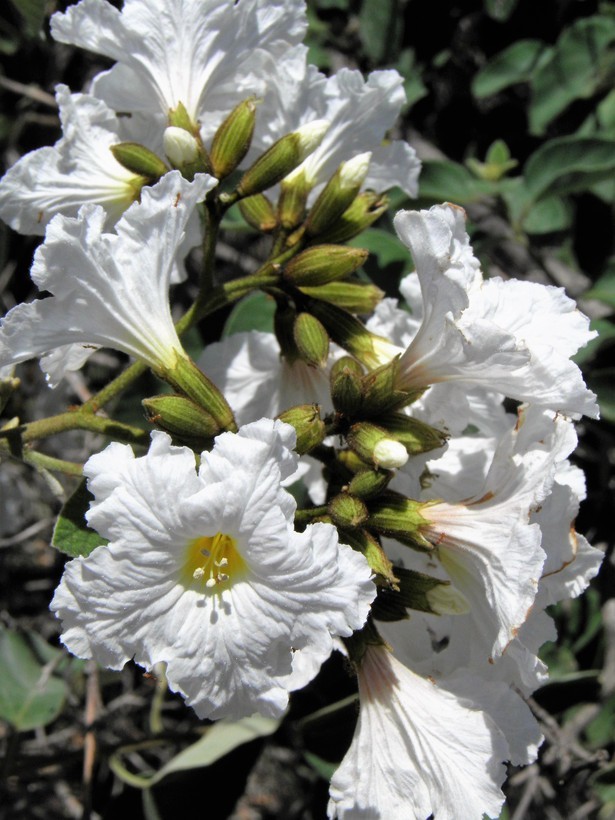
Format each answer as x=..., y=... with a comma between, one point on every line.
x=213, y=561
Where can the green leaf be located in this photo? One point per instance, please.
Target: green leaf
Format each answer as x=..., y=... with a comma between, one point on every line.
x=71, y=533
x=444, y=180
x=32, y=13
x=604, y=288
x=553, y=213
x=602, y=382
x=30, y=696
x=220, y=739
x=568, y=164
x=515, y=64
x=380, y=29
x=576, y=68
x=386, y=247
x=255, y=312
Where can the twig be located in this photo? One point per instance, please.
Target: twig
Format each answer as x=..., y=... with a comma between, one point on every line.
x=92, y=708
x=32, y=91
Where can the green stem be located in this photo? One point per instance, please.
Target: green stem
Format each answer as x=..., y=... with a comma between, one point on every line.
x=73, y=420
x=45, y=462
x=210, y=239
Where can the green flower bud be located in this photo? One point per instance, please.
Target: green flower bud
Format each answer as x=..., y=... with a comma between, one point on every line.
x=415, y=435
x=399, y=517
x=192, y=382
x=374, y=445
x=418, y=591
x=346, y=391
x=283, y=157
x=233, y=138
x=183, y=419
x=258, y=212
x=140, y=160
x=349, y=333
x=369, y=483
x=338, y=194
x=311, y=339
x=293, y=198
x=324, y=263
x=354, y=297
x=366, y=208
x=351, y=462
x=381, y=394
x=347, y=512
x=310, y=428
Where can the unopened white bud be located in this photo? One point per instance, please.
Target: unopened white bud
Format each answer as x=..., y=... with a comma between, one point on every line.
x=353, y=172
x=390, y=454
x=311, y=135
x=180, y=147
x=445, y=599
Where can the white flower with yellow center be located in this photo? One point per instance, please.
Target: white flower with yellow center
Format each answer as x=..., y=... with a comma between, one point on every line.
x=205, y=572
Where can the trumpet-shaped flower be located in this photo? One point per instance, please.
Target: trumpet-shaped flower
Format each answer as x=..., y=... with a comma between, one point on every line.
x=418, y=750
x=509, y=336
x=360, y=112
x=207, y=55
x=205, y=572
x=109, y=289
x=79, y=169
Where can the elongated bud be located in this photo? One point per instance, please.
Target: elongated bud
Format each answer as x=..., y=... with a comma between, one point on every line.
x=293, y=197
x=258, y=212
x=192, y=382
x=233, y=138
x=364, y=542
x=401, y=518
x=311, y=339
x=381, y=393
x=347, y=512
x=338, y=194
x=415, y=435
x=139, y=159
x=354, y=297
x=349, y=333
x=374, y=445
x=370, y=483
x=310, y=428
x=282, y=158
x=365, y=209
x=182, y=418
x=324, y=263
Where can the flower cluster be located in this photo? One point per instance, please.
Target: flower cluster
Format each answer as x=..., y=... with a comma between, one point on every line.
x=441, y=525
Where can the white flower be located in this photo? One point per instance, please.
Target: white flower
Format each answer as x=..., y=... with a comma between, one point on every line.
x=257, y=380
x=109, y=289
x=360, y=112
x=205, y=572
x=418, y=750
x=206, y=54
x=78, y=169
x=508, y=336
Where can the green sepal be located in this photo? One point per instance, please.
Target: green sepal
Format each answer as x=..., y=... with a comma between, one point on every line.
x=186, y=421
x=347, y=512
x=321, y=264
x=311, y=339
x=363, y=212
x=412, y=593
x=398, y=517
x=233, y=138
x=310, y=428
x=364, y=542
x=416, y=436
x=370, y=483
x=188, y=379
x=355, y=297
x=258, y=212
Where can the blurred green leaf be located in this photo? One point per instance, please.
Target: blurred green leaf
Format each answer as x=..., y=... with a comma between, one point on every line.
x=604, y=288
x=413, y=84
x=380, y=29
x=553, y=213
x=577, y=67
x=444, y=180
x=601, y=731
x=515, y=64
x=321, y=766
x=385, y=246
x=255, y=312
x=32, y=13
x=568, y=164
x=71, y=534
x=30, y=696
x=601, y=121
x=500, y=10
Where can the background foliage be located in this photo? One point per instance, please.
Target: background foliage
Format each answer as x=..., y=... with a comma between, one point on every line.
x=513, y=114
